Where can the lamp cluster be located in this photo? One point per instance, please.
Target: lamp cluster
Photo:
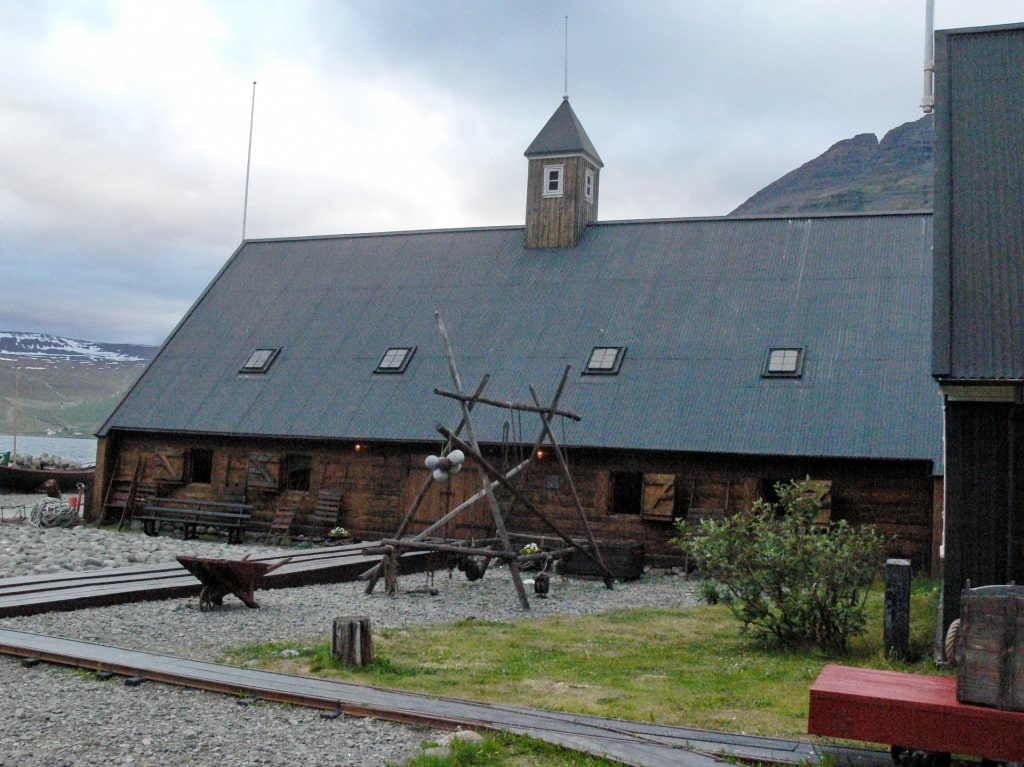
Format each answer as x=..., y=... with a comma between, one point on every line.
x=445, y=466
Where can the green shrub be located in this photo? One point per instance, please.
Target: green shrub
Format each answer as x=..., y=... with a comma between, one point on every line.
x=784, y=576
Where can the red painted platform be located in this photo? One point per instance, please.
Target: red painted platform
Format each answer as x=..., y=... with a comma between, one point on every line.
x=910, y=710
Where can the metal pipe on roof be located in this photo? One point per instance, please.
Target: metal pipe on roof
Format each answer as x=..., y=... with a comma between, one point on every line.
x=928, y=99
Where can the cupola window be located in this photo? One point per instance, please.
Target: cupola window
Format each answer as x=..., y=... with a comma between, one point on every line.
x=553, y=180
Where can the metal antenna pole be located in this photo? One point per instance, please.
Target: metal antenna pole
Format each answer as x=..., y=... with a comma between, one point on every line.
x=928, y=97
x=565, y=91
x=17, y=397
x=248, y=160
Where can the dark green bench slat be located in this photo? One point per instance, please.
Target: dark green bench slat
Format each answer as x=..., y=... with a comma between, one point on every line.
x=190, y=514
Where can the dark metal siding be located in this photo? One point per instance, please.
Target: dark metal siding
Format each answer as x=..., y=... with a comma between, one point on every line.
x=985, y=498
x=697, y=303
x=979, y=322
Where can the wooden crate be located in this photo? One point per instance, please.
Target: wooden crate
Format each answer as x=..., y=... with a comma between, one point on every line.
x=991, y=669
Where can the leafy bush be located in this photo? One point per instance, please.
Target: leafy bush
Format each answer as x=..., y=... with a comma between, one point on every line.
x=784, y=576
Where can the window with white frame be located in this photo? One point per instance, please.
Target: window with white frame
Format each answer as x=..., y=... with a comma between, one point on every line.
x=553, y=180
x=588, y=188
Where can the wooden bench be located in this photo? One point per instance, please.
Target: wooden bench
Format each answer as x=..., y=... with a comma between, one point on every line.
x=910, y=710
x=190, y=515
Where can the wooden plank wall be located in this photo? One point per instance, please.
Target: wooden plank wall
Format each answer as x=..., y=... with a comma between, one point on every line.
x=558, y=222
x=379, y=482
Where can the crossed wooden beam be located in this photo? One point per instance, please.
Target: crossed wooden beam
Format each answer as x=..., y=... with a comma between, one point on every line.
x=491, y=478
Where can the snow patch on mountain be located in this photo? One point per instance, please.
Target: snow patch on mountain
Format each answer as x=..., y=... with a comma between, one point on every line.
x=41, y=345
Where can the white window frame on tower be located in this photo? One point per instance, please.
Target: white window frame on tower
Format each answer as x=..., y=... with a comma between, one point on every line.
x=554, y=180
x=588, y=185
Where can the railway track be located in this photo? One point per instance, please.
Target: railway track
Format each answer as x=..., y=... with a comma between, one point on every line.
x=632, y=743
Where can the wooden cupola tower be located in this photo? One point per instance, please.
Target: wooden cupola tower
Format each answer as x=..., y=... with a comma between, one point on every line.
x=562, y=182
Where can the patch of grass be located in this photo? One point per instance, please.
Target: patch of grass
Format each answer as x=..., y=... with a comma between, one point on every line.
x=672, y=666
x=503, y=750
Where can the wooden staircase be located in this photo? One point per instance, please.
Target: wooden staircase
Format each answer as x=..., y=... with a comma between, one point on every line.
x=120, y=495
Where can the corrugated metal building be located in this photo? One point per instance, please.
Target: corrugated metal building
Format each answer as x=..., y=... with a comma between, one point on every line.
x=979, y=302
x=710, y=358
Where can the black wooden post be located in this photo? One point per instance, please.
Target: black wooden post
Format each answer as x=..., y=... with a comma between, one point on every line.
x=897, y=608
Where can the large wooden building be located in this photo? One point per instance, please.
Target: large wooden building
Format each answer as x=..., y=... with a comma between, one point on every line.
x=710, y=358
x=979, y=302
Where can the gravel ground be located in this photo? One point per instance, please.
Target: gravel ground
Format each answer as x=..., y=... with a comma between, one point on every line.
x=52, y=716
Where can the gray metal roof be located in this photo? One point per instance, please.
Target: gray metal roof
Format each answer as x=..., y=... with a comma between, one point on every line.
x=979, y=195
x=563, y=134
x=697, y=303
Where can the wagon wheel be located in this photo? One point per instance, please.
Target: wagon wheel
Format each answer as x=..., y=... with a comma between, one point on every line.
x=953, y=644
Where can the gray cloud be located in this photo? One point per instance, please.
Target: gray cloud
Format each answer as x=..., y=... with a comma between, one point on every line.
x=124, y=126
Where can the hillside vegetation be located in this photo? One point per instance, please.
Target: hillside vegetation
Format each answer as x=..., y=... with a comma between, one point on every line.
x=64, y=387
x=62, y=397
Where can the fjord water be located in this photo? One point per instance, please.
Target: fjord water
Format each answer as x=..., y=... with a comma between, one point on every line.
x=82, y=449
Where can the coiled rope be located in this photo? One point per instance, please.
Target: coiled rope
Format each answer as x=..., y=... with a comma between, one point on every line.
x=52, y=512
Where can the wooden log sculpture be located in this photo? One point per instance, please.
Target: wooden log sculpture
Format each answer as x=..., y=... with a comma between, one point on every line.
x=351, y=640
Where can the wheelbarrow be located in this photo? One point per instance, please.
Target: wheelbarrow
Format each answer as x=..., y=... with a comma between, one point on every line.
x=221, y=577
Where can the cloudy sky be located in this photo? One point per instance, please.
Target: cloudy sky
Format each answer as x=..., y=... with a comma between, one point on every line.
x=124, y=125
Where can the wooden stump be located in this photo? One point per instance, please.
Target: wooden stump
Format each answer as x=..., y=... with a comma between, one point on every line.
x=351, y=640
x=390, y=565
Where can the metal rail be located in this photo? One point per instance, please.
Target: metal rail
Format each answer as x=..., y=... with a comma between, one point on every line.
x=632, y=743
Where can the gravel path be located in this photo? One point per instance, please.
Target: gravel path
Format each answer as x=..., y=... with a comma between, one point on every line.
x=55, y=717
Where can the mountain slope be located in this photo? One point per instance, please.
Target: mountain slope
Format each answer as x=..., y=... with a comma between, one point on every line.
x=860, y=174
x=58, y=347
x=63, y=386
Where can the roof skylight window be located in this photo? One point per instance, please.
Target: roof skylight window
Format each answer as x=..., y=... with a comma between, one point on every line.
x=260, y=361
x=605, y=360
x=395, y=359
x=784, y=362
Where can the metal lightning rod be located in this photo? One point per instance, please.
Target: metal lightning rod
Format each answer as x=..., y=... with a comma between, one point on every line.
x=565, y=91
x=248, y=161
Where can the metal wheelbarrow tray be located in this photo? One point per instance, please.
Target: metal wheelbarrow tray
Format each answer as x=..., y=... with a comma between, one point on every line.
x=221, y=577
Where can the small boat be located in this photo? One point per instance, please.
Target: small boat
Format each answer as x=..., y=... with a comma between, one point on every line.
x=18, y=479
